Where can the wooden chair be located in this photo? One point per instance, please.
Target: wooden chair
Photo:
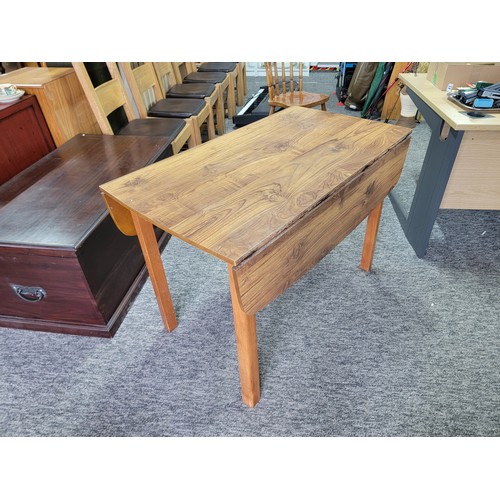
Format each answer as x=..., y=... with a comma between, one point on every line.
x=243, y=66
x=285, y=95
x=115, y=115
x=185, y=72
x=148, y=97
x=234, y=68
x=210, y=92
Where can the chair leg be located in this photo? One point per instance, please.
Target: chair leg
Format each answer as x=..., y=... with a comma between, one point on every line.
x=210, y=123
x=323, y=107
x=243, y=68
x=231, y=101
x=184, y=137
x=195, y=138
x=240, y=90
x=219, y=111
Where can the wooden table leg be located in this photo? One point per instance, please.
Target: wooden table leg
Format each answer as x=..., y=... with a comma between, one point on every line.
x=246, y=344
x=370, y=237
x=152, y=257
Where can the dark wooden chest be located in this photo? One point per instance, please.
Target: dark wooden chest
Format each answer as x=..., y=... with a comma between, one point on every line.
x=64, y=266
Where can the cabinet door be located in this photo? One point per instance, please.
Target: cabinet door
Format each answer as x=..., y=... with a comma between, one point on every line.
x=24, y=137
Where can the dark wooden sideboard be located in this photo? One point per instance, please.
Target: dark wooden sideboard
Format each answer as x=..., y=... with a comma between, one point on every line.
x=64, y=266
x=24, y=136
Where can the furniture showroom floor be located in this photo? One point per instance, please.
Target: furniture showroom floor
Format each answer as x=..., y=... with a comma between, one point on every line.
x=410, y=349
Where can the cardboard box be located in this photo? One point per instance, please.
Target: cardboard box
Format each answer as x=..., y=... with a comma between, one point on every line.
x=461, y=73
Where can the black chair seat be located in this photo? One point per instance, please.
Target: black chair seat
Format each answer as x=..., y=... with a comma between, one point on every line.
x=224, y=67
x=167, y=127
x=191, y=90
x=207, y=77
x=177, y=108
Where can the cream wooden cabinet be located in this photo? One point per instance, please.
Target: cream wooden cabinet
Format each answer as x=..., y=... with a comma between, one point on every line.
x=61, y=98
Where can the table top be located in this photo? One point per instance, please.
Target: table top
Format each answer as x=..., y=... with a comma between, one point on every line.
x=56, y=201
x=234, y=194
x=34, y=77
x=451, y=113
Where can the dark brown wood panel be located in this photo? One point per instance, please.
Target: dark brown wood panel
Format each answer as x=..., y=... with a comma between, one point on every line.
x=24, y=136
x=56, y=235
x=65, y=205
x=68, y=297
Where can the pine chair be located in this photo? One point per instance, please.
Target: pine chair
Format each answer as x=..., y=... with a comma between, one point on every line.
x=185, y=72
x=284, y=96
x=234, y=68
x=148, y=97
x=115, y=115
x=243, y=67
x=210, y=92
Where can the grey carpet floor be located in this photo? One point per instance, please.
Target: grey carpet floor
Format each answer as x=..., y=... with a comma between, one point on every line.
x=411, y=349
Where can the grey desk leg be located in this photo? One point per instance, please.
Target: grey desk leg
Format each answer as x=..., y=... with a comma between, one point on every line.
x=438, y=163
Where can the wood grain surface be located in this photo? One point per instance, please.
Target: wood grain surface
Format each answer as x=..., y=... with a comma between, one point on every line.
x=234, y=194
x=474, y=182
x=56, y=201
x=270, y=271
x=24, y=136
x=61, y=98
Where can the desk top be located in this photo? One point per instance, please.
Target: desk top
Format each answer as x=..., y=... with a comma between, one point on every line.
x=451, y=113
x=56, y=201
x=234, y=194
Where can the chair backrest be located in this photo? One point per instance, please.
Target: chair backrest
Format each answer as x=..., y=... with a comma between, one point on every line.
x=143, y=84
x=277, y=75
x=182, y=69
x=106, y=98
x=166, y=75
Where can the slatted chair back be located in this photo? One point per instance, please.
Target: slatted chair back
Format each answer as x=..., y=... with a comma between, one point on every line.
x=166, y=76
x=278, y=76
x=284, y=94
x=181, y=69
x=106, y=97
x=144, y=85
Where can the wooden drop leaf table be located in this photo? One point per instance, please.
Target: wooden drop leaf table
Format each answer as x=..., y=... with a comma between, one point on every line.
x=271, y=199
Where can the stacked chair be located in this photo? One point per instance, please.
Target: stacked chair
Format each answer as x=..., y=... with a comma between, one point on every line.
x=236, y=70
x=115, y=115
x=148, y=97
x=185, y=72
x=212, y=93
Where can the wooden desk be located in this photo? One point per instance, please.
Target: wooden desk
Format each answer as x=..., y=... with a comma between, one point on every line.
x=270, y=199
x=61, y=98
x=461, y=167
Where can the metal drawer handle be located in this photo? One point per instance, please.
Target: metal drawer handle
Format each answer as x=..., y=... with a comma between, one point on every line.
x=30, y=293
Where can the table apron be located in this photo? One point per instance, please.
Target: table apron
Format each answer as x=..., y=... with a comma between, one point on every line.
x=267, y=273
